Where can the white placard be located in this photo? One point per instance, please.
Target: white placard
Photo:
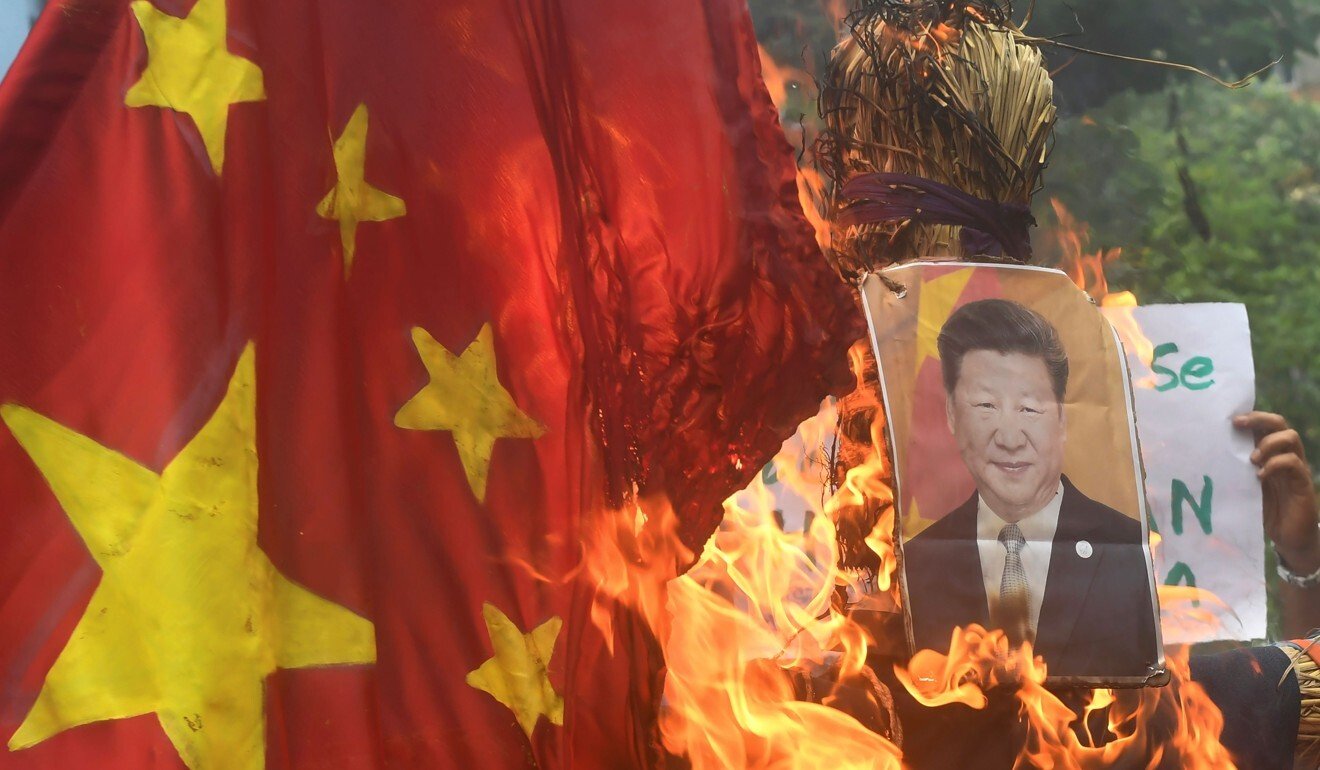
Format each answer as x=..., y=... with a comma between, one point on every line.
x=796, y=478
x=1192, y=371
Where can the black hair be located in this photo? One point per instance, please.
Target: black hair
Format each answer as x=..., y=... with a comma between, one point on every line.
x=1003, y=326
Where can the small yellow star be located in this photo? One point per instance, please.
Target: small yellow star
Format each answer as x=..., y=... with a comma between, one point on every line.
x=352, y=200
x=913, y=522
x=938, y=297
x=466, y=398
x=190, y=615
x=190, y=70
x=518, y=675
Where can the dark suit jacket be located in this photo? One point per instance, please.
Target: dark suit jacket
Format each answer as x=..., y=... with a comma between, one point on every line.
x=1095, y=619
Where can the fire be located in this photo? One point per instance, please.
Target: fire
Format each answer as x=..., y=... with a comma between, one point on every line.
x=762, y=658
x=1173, y=726
x=975, y=662
x=1087, y=269
x=765, y=662
x=757, y=622
x=866, y=481
x=754, y=622
x=765, y=665
x=742, y=631
x=812, y=196
x=629, y=557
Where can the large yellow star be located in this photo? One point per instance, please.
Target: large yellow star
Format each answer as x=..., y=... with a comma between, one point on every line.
x=517, y=675
x=190, y=616
x=352, y=200
x=466, y=398
x=190, y=70
x=938, y=297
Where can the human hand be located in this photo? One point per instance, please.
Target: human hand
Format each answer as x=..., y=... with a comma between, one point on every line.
x=1291, y=515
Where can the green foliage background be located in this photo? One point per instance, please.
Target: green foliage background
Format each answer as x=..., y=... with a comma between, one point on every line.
x=1229, y=38
x=1254, y=160
x=1251, y=160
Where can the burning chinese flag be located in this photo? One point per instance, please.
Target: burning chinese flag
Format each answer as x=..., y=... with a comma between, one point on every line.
x=325, y=327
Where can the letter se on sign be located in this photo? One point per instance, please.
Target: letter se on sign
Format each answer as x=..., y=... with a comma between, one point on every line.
x=1192, y=375
x=1186, y=393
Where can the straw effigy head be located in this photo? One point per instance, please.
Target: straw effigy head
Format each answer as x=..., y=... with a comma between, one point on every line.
x=943, y=91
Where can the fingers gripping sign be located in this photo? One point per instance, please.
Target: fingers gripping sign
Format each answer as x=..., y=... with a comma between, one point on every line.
x=1291, y=518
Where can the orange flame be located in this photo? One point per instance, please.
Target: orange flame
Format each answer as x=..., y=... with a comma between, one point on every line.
x=973, y=664
x=754, y=628
x=1087, y=269
x=755, y=624
x=1177, y=724
x=759, y=647
x=752, y=623
x=1173, y=726
x=812, y=196
x=867, y=481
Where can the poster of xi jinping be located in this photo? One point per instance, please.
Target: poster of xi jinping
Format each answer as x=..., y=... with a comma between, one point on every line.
x=1018, y=476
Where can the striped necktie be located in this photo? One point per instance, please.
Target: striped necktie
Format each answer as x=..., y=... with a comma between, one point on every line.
x=1013, y=613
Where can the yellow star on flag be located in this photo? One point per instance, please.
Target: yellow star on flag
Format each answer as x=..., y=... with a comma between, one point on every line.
x=190, y=615
x=518, y=675
x=352, y=200
x=190, y=70
x=938, y=298
x=466, y=398
x=913, y=522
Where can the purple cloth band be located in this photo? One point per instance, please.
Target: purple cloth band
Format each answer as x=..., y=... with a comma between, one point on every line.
x=990, y=228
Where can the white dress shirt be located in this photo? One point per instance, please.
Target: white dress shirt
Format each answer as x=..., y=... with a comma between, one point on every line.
x=1038, y=530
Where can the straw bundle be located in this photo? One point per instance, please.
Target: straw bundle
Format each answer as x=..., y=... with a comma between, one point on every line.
x=943, y=91
x=1307, y=672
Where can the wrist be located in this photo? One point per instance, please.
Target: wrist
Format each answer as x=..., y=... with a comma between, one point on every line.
x=1300, y=559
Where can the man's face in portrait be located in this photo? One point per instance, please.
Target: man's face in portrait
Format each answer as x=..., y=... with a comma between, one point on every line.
x=1010, y=429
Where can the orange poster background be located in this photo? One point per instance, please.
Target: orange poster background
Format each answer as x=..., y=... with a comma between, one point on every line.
x=1099, y=456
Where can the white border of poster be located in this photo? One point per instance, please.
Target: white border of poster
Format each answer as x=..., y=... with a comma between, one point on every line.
x=887, y=287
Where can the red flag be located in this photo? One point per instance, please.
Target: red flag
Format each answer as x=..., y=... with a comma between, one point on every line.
x=322, y=328
x=930, y=496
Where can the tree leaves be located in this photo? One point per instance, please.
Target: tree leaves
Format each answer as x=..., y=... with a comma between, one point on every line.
x=1256, y=164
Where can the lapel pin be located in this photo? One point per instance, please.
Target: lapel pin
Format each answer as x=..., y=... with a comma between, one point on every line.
x=1084, y=549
